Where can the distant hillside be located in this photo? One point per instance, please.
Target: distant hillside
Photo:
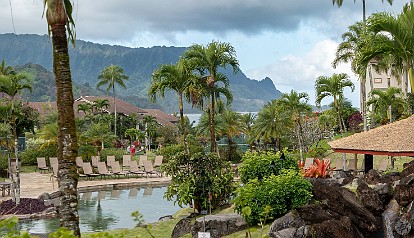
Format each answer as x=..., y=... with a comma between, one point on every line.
x=88, y=59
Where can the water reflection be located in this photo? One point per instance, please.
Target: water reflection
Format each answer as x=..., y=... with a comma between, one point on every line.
x=108, y=210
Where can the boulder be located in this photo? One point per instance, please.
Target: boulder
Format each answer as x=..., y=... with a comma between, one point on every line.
x=408, y=169
x=219, y=225
x=369, y=198
x=345, y=203
x=166, y=218
x=404, y=194
x=316, y=213
x=372, y=177
x=290, y=220
x=301, y=232
x=388, y=218
x=342, y=228
x=181, y=228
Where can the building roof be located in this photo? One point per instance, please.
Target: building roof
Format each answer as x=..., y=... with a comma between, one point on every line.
x=121, y=106
x=395, y=139
x=162, y=117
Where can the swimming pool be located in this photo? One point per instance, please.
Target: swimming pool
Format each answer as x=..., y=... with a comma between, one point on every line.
x=111, y=209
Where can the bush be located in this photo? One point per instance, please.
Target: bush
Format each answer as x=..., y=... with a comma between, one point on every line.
x=29, y=156
x=117, y=152
x=281, y=192
x=173, y=150
x=258, y=165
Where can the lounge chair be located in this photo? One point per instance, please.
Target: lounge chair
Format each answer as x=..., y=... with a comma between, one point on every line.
x=41, y=164
x=133, y=192
x=149, y=169
x=353, y=167
x=142, y=158
x=95, y=160
x=383, y=166
x=125, y=160
x=158, y=161
x=115, y=194
x=86, y=196
x=116, y=169
x=134, y=169
x=109, y=160
x=87, y=170
x=103, y=170
x=53, y=160
x=55, y=170
x=339, y=165
x=147, y=192
x=308, y=163
x=79, y=162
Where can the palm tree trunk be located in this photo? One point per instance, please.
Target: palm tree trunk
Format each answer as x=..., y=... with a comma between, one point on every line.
x=113, y=91
x=371, y=85
x=180, y=105
x=16, y=182
x=298, y=134
x=212, y=129
x=67, y=140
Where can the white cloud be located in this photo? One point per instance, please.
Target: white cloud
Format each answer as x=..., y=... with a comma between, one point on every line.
x=299, y=71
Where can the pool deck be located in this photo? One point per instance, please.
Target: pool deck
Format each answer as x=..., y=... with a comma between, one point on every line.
x=32, y=185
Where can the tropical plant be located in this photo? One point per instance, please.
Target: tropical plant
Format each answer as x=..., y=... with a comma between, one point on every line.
x=134, y=134
x=259, y=165
x=110, y=76
x=203, y=178
x=177, y=78
x=297, y=105
x=333, y=87
x=281, y=193
x=6, y=69
x=98, y=134
x=246, y=123
x=384, y=102
x=59, y=19
x=207, y=60
x=230, y=128
x=151, y=125
x=320, y=169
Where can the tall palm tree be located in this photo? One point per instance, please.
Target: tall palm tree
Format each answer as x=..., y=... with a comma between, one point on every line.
x=333, y=87
x=178, y=78
x=86, y=108
x=246, y=123
x=297, y=104
x=112, y=75
x=59, y=19
x=12, y=85
x=386, y=101
x=150, y=128
x=349, y=38
x=208, y=59
x=6, y=69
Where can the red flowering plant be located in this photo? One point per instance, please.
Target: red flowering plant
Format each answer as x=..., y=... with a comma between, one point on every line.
x=320, y=169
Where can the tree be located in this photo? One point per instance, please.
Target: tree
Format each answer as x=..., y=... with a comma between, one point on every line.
x=177, y=78
x=385, y=102
x=134, y=134
x=151, y=125
x=231, y=126
x=98, y=134
x=12, y=85
x=101, y=104
x=297, y=104
x=207, y=60
x=86, y=108
x=59, y=19
x=112, y=75
x=246, y=123
x=6, y=69
x=333, y=87
x=347, y=50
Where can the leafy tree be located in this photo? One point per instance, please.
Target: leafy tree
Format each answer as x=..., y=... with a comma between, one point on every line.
x=333, y=87
x=246, y=123
x=134, y=134
x=98, y=134
x=110, y=76
x=59, y=19
x=151, y=125
x=385, y=101
x=207, y=60
x=230, y=128
x=6, y=69
x=297, y=105
x=177, y=78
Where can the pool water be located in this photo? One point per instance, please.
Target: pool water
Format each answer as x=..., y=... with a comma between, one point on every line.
x=109, y=210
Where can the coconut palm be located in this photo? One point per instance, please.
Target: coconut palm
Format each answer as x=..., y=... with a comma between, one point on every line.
x=86, y=108
x=333, y=87
x=178, y=78
x=98, y=134
x=246, y=123
x=208, y=59
x=6, y=69
x=339, y=4
x=12, y=85
x=297, y=104
x=110, y=76
x=101, y=104
x=134, y=134
x=60, y=21
x=230, y=127
x=386, y=101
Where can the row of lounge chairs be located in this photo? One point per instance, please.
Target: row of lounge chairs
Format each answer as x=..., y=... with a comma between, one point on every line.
x=129, y=167
x=350, y=166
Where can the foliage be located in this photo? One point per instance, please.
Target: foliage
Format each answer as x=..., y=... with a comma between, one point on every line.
x=320, y=170
x=319, y=149
x=355, y=121
x=172, y=150
x=28, y=157
x=258, y=165
x=113, y=151
x=138, y=217
x=202, y=178
x=168, y=134
x=283, y=192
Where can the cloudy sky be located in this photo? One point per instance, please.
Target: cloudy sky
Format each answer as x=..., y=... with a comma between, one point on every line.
x=291, y=41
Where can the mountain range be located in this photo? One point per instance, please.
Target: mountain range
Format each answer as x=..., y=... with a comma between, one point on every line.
x=33, y=54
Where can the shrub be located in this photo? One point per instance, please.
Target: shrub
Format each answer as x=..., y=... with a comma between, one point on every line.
x=28, y=157
x=117, y=152
x=282, y=193
x=173, y=150
x=258, y=165
x=198, y=178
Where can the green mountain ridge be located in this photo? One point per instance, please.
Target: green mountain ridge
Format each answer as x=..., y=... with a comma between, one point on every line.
x=88, y=59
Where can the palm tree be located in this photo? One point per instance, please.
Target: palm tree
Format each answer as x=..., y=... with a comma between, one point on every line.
x=177, y=78
x=246, y=123
x=150, y=129
x=101, y=104
x=59, y=19
x=271, y=123
x=98, y=134
x=86, y=108
x=207, y=60
x=231, y=127
x=333, y=87
x=386, y=101
x=6, y=69
x=297, y=104
x=112, y=75
x=349, y=41
x=12, y=85
x=134, y=134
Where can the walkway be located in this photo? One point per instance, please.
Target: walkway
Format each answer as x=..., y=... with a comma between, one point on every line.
x=32, y=185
